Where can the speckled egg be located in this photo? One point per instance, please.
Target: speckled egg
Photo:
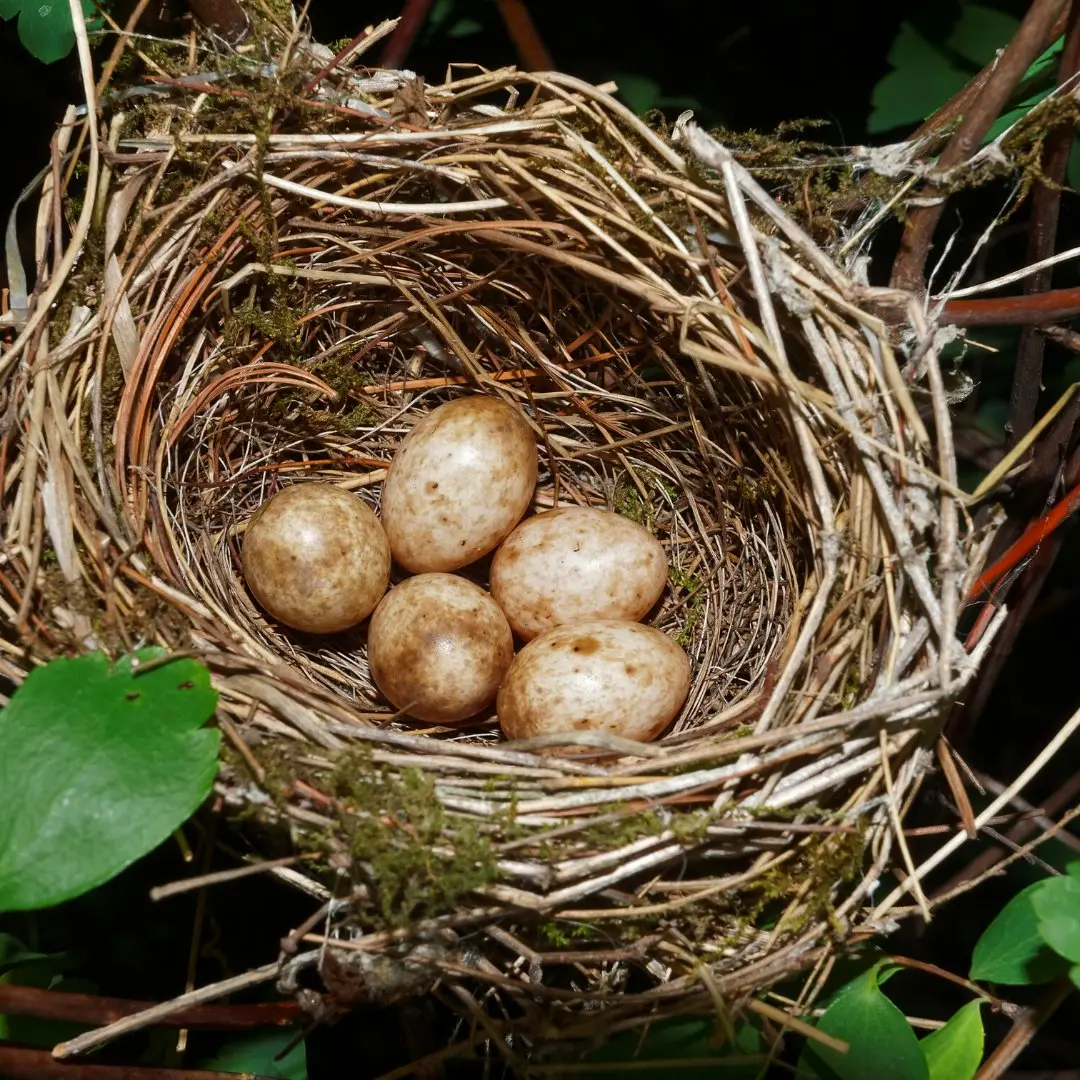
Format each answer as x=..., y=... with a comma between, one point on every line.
x=576, y=563
x=438, y=648
x=458, y=484
x=316, y=558
x=604, y=675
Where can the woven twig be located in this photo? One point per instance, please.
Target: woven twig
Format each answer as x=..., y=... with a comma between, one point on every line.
x=267, y=284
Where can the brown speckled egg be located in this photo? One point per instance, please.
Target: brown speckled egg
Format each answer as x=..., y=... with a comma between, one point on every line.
x=438, y=648
x=458, y=484
x=316, y=558
x=604, y=675
x=576, y=563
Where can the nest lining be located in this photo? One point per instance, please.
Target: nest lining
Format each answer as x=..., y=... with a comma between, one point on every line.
x=258, y=309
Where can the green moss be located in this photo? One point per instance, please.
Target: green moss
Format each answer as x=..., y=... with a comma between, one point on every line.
x=852, y=686
x=278, y=323
x=563, y=933
x=692, y=587
x=755, y=489
x=393, y=824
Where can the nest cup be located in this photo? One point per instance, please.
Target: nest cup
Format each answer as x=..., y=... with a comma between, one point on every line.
x=257, y=304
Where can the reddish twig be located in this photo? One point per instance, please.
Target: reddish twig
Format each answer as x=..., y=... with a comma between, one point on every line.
x=17, y=1063
x=338, y=57
x=1042, y=242
x=1031, y=538
x=1053, y=306
x=941, y=973
x=91, y=1009
x=413, y=16
x=910, y=263
x=1024, y=1029
x=530, y=46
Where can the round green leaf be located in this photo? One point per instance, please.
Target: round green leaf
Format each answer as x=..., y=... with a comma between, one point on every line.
x=955, y=1051
x=1057, y=905
x=881, y=1042
x=45, y=27
x=922, y=79
x=99, y=765
x=1012, y=949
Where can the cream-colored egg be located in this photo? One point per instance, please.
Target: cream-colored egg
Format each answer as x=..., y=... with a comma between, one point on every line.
x=438, y=648
x=316, y=558
x=604, y=675
x=458, y=484
x=576, y=563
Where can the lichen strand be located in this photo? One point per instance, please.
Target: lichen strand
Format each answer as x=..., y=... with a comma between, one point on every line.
x=417, y=859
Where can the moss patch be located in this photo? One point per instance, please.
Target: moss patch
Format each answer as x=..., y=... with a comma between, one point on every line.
x=399, y=832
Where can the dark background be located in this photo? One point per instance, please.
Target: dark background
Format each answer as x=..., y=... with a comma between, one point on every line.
x=750, y=65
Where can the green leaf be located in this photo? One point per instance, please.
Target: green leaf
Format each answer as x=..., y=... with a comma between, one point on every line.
x=1074, y=975
x=464, y=28
x=881, y=1043
x=45, y=25
x=13, y=952
x=681, y=1040
x=256, y=1054
x=979, y=33
x=1011, y=949
x=1057, y=905
x=99, y=765
x=955, y=1051
x=921, y=81
x=638, y=91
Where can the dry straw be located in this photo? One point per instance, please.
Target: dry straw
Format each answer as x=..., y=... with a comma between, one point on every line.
x=256, y=268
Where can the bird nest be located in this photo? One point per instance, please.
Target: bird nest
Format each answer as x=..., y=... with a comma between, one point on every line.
x=264, y=269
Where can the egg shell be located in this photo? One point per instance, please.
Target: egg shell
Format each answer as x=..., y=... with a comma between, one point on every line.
x=576, y=563
x=438, y=648
x=316, y=558
x=458, y=484
x=603, y=675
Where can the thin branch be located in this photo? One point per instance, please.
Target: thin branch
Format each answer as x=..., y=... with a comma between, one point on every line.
x=1041, y=760
x=156, y=1014
x=987, y=860
x=92, y=1009
x=1014, y=61
x=1025, y=1027
x=941, y=973
x=17, y=1063
x=1056, y=305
